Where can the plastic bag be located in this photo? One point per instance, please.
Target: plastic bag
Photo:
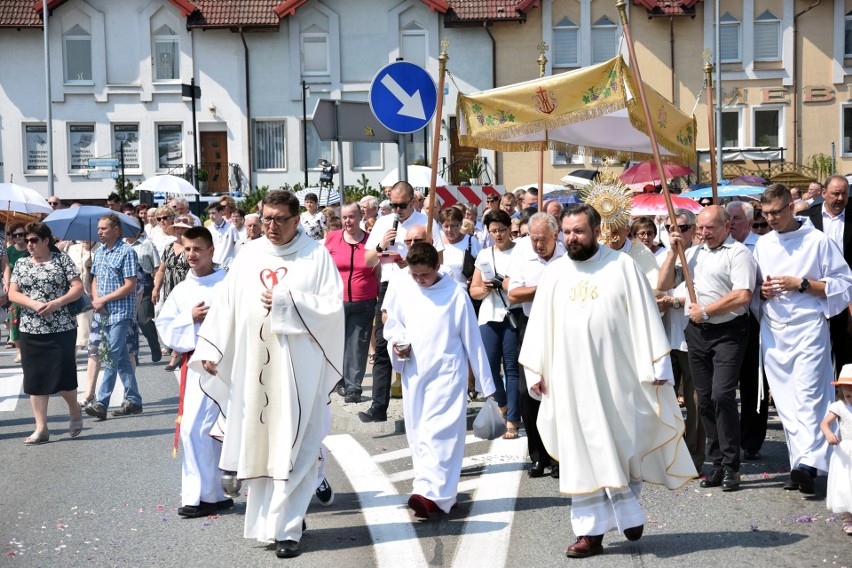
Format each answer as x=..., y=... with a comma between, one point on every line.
x=489, y=424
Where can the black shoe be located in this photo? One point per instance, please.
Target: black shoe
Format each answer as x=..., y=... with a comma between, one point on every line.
x=156, y=354
x=97, y=410
x=169, y=368
x=325, y=494
x=201, y=510
x=537, y=469
x=352, y=398
x=714, y=478
x=127, y=408
x=731, y=480
x=790, y=485
x=554, y=471
x=373, y=415
x=752, y=455
x=287, y=549
x=804, y=479
x=341, y=391
x=223, y=505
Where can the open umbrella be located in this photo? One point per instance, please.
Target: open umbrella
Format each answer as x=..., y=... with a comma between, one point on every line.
x=650, y=204
x=646, y=172
x=418, y=176
x=20, y=199
x=548, y=187
x=575, y=180
x=81, y=223
x=726, y=191
x=167, y=183
x=325, y=197
x=749, y=180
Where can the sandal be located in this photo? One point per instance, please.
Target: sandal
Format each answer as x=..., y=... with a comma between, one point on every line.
x=37, y=438
x=75, y=427
x=86, y=401
x=847, y=524
x=511, y=433
x=10, y=345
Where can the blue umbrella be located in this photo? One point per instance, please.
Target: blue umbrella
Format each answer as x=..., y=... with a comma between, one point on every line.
x=81, y=223
x=726, y=191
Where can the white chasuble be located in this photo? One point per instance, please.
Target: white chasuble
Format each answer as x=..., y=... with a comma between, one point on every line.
x=276, y=369
x=596, y=338
x=440, y=323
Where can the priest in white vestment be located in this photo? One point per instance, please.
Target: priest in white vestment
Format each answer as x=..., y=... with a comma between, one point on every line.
x=430, y=312
x=273, y=345
x=804, y=280
x=596, y=353
x=178, y=324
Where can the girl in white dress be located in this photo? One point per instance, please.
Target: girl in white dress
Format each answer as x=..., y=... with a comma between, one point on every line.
x=839, y=491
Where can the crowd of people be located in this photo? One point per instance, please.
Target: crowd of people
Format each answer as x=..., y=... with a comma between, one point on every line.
x=619, y=368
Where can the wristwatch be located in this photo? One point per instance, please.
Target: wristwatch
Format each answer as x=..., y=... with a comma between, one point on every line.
x=704, y=316
x=379, y=248
x=804, y=285
x=676, y=304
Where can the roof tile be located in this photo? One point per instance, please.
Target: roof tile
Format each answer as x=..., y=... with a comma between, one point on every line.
x=18, y=14
x=470, y=11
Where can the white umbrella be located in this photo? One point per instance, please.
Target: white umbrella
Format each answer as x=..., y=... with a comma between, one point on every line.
x=418, y=176
x=167, y=183
x=576, y=181
x=325, y=197
x=22, y=199
x=548, y=187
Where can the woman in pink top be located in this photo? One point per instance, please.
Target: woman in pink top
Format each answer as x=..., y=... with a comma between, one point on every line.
x=360, y=289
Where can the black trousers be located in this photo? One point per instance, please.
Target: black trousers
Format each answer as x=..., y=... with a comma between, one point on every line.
x=716, y=354
x=145, y=317
x=382, y=370
x=841, y=341
x=529, y=408
x=752, y=420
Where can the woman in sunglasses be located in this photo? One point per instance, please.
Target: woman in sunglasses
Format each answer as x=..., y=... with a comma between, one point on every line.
x=16, y=251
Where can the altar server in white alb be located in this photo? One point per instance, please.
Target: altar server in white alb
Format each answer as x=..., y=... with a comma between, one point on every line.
x=597, y=355
x=272, y=344
x=178, y=324
x=803, y=281
x=432, y=334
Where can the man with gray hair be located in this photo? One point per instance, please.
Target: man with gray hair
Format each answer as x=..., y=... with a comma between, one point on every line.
x=253, y=231
x=724, y=274
x=530, y=257
x=753, y=418
x=181, y=207
x=369, y=209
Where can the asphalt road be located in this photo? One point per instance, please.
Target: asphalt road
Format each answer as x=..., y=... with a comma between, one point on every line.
x=110, y=497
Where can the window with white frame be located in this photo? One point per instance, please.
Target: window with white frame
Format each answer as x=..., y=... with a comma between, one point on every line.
x=78, y=55
x=847, y=129
x=412, y=44
x=35, y=147
x=366, y=156
x=166, y=55
x=767, y=127
x=604, y=40
x=847, y=35
x=767, y=37
x=729, y=36
x=561, y=158
x=566, y=36
x=731, y=129
x=315, y=60
x=270, y=145
x=169, y=145
x=317, y=149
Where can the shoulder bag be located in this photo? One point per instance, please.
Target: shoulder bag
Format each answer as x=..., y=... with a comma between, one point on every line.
x=469, y=262
x=81, y=304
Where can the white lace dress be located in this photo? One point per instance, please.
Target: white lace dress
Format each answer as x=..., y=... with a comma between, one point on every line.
x=838, y=497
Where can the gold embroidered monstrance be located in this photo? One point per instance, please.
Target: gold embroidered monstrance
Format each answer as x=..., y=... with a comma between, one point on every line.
x=613, y=201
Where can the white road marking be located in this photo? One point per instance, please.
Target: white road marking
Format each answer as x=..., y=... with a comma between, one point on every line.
x=11, y=386
x=406, y=452
x=467, y=461
x=385, y=512
x=487, y=530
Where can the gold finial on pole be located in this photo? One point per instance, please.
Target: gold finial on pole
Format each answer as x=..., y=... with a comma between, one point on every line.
x=436, y=132
x=542, y=48
x=711, y=123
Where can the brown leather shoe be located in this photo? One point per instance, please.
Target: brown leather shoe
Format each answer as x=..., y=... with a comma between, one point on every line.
x=585, y=546
x=634, y=533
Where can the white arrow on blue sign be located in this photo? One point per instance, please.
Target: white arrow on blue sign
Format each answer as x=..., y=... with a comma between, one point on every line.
x=403, y=96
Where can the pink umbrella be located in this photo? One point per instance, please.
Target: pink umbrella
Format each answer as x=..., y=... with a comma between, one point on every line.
x=650, y=204
x=647, y=172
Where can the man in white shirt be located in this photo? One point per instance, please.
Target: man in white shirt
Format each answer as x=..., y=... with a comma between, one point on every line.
x=386, y=245
x=225, y=236
x=181, y=207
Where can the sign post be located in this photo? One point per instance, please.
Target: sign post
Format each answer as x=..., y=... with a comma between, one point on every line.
x=193, y=92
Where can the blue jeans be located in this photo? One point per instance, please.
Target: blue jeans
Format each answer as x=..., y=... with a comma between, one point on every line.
x=501, y=345
x=117, y=339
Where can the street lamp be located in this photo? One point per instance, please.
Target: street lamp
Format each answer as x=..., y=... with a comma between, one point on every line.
x=306, y=92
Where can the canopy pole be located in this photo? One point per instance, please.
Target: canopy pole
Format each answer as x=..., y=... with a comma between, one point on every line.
x=621, y=6
x=711, y=127
x=542, y=48
x=436, y=133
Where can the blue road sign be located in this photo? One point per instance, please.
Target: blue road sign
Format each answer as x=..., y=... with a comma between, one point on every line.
x=103, y=163
x=403, y=97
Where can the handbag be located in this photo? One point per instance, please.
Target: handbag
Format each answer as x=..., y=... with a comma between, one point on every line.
x=510, y=318
x=489, y=424
x=81, y=304
x=469, y=263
